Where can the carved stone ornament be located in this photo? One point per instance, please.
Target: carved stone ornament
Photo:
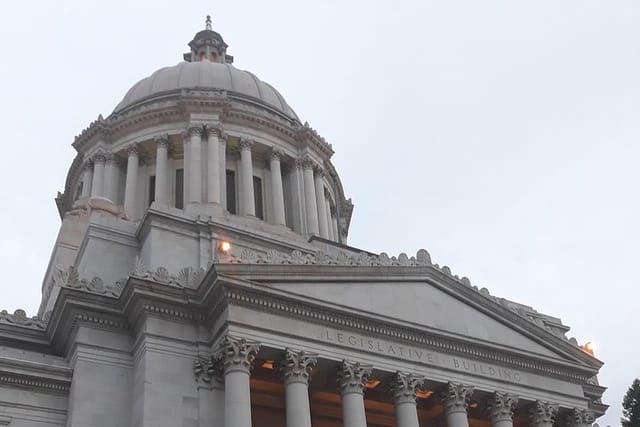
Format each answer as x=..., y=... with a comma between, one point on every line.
x=405, y=386
x=276, y=154
x=236, y=354
x=109, y=157
x=195, y=130
x=352, y=377
x=206, y=370
x=69, y=278
x=214, y=131
x=187, y=277
x=20, y=318
x=162, y=140
x=580, y=418
x=99, y=157
x=543, y=413
x=132, y=150
x=246, y=144
x=501, y=407
x=456, y=398
x=296, y=366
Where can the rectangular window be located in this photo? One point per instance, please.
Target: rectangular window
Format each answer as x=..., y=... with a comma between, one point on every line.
x=231, y=191
x=152, y=189
x=257, y=196
x=179, y=191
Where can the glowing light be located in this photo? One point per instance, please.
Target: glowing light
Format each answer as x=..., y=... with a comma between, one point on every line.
x=268, y=364
x=589, y=347
x=225, y=246
x=473, y=405
x=424, y=394
x=372, y=384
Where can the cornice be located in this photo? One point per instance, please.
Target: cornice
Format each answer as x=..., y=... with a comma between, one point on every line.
x=35, y=382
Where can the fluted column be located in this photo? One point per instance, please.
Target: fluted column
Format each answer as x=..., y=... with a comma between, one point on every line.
x=455, y=400
x=131, y=183
x=580, y=418
x=223, y=168
x=404, y=389
x=247, y=206
x=310, y=197
x=162, y=170
x=501, y=407
x=320, y=203
x=296, y=367
x=214, y=188
x=87, y=176
x=277, y=191
x=110, y=177
x=237, y=356
x=195, y=164
x=97, y=182
x=542, y=414
x=351, y=383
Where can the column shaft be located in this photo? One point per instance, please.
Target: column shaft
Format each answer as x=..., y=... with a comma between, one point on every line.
x=131, y=183
x=310, y=199
x=296, y=368
x=404, y=391
x=111, y=178
x=351, y=380
x=406, y=415
x=353, y=414
x=320, y=203
x=247, y=205
x=223, y=170
x=277, y=191
x=214, y=189
x=162, y=171
x=97, y=183
x=195, y=160
x=87, y=175
x=329, y=223
x=336, y=233
x=237, y=399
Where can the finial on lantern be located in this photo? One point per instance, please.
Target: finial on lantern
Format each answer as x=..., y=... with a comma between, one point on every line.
x=208, y=22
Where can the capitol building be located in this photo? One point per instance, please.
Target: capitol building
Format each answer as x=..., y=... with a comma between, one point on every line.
x=202, y=277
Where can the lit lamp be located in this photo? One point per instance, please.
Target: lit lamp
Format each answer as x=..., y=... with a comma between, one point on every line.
x=589, y=347
x=224, y=247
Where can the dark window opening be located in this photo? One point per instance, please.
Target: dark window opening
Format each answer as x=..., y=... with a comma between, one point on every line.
x=179, y=193
x=152, y=189
x=257, y=196
x=231, y=191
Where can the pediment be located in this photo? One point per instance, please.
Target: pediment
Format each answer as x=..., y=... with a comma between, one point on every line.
x=425, y=305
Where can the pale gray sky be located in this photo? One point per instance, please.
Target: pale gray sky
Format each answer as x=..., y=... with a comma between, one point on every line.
x=502, y=136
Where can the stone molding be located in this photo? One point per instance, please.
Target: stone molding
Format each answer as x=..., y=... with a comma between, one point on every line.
x=38, y=383
x=70, y=278
x=456, y=398
x=405, y=386
x=501, y=407
x=352, y=377
x=543, y=413
x=236, y=354
x=20, y=318
x=296, y=366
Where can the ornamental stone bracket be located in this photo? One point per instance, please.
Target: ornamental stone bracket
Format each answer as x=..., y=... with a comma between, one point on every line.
x=352, y=377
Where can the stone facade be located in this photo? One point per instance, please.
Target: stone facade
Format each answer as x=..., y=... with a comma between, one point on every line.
x=202, y=277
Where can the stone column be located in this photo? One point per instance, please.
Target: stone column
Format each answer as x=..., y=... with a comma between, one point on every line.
x=404, y=389
x=542, y=414
x=501, y=407
x=110, y=177
x=296, y=367
x=214, y=189
x=580, y=418
x=236, y=356
x=327, y=206
x=334, y=224
x=131, y=184
x=455, y=400
x=87, y=175
x=277, y=191
x=97, y=183
x=223, y=169
x=310, y=197
x=247, y=206
x=162, y=170
x=195, y=164
x=320, y=203
x=351, y=383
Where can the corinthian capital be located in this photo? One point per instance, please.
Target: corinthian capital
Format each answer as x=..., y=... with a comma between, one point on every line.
x=404, y=387
x=99, y=157
x=456, y=398
x=276, y=154
x=501, y=407
x=352, y=377
x=132, y=150
x=543, y=413
x=195, y=130
x=237, y=354
x=580, y=418
x=296, y=366
x=246, y=143
x=109, y=157
x=162, y=140
x=214, y=131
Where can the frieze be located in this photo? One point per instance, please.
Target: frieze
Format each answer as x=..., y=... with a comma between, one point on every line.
x=20, y=318
x=187, y=277
x=34, y=383
x=419, y=355
x=69, y=278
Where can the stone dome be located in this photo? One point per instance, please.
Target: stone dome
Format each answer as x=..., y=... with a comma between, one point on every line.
x=206, y=75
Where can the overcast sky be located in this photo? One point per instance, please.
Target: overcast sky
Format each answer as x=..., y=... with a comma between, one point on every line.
x=502, y=136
